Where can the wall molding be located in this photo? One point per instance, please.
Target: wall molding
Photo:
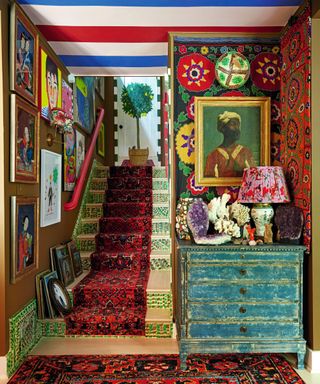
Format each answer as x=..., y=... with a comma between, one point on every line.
x=3, y=368
x=312, y=361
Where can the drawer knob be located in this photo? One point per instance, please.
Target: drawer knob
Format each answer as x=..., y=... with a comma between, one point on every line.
x=243, y=329
x=243, y=272
x=242, y=257
x=242, y=310
x=243, y=291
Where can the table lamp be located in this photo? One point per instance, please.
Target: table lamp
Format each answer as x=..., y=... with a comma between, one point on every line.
x=263, y=186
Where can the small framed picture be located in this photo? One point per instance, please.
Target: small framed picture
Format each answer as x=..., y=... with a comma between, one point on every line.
x=24, y=236
x=50, y=212
x=59, y=296
x=64, y=264
x=75, y=257
x=80, y=150
x=40, y=295
x=67, y=99
x=99, y=86
x=52, y=313
x=69, y=160
x=24, y=55
x=101, y=144
x=24, y=151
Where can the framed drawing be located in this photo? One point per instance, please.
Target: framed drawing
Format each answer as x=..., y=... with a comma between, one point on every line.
x=67, y=99
x=51, y=85
x=75, y=257
x=64, y=263
x=24, y=151
x=69, y=160
x=99, y=86
x=59, y=296
x=24, y=55
x=50, y=205
x=101, y=146
x=49, y=309
x=24, y=236
x=83, y=101
x=80, y=150
x=232, y=133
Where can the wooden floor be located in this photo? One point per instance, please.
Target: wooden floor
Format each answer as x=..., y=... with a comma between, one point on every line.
x=121, y=345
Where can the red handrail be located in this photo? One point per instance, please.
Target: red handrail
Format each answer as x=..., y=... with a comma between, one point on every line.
x=73, y=203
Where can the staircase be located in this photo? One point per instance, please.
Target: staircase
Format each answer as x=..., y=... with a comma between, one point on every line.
x=158, y=320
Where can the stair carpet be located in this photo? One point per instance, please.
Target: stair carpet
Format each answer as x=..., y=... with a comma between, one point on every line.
x=159, y=297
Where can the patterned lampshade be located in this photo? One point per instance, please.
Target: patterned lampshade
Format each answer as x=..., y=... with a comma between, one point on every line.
x=264, y=184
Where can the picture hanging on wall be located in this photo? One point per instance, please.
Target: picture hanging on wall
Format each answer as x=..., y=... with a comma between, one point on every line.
x=67, y=99
x=51, y=85
x=24, y=55
x=24, y=152
x=80, y=150
x=232, y=133
x=69, y=160
x=84, y=110
x=24, y=236
x=99, y=86
x=101, y=141
x=50, y=208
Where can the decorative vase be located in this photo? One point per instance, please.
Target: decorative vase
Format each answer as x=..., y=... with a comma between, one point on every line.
x=138, y=156
x=261, y=215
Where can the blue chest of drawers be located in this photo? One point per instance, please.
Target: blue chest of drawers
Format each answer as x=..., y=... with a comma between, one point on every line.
x=240, y=299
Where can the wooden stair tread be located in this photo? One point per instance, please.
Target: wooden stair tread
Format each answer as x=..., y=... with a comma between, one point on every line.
x=158, y=315
x=159, y=281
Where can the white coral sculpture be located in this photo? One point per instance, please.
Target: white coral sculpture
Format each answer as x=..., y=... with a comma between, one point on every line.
x=228, y=227
x=240, y=213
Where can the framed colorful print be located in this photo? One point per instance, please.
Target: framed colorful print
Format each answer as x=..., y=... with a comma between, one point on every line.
x=101, y=145
x=232, y=133
x=67, y=99
x=24, y=55
x=51, y=175
x=69, y=160
x=75, y=257
x=24, y=236
x=51, y=85
x=80, y=150
x=24, y=150
x=99, y=86
x=84, y=109
x=64, y=263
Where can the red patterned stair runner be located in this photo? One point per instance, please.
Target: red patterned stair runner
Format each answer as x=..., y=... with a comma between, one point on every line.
x=112, y=300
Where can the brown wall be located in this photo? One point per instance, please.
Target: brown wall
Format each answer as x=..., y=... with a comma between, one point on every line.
x=13, y=297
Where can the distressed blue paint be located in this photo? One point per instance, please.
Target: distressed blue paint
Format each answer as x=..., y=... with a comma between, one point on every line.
x=240, y=299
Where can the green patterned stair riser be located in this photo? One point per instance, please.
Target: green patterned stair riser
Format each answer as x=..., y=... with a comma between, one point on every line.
x=160, y=228
x=99, y=184
x=93, y=212
x=86, y=263
x=160, y=264
x=51, y=328
x=160, y=212
x=160, y=197
x=160, y=185
x=87, y=228
x=86, y=245
x=100, y=172
x=159, y=330
x=159, y=300
x=161, y=244
x=159, y=173
x=96, y=198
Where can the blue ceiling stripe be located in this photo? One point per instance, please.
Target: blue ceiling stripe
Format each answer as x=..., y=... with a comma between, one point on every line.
x=114, y=61
x=166, y=3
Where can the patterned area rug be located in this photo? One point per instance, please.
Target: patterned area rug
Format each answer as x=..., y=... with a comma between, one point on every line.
x=156, y=369
x=111, y=300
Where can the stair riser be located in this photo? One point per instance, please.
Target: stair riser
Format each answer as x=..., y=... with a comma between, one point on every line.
x=160, y=264
x=159, y=330
x=160, y=185
x=96, y=198
x=99, y=184
x=161, y=245
x=129, y=183
x=119, y=195
x=162, y=212
x=133, y=225
x=162, y=228
x=109, y=243
x=86, y=228
x=160, y=197
x=131, y=171
x=159, y=172
x=93, y=212
x=107, y=262
x=159, y=300
x=101, y=173
x=120, y=210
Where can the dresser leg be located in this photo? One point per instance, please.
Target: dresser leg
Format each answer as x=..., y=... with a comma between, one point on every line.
x=183, y=361
x=300, y=362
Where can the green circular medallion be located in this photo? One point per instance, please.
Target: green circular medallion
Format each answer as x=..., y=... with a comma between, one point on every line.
x=232, y=70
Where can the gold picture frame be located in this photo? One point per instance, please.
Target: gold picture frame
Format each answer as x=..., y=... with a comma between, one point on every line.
x=24, y=236
x=231, y=133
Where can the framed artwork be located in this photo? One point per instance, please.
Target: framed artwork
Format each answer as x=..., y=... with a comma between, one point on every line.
x=24, y=141
x=99, y=86
x=83, y=101
x=49, y=309
x=64, y=264
x=40, y=295
x=80, y=150
x=24, y=236
x=101, y=145
x=50, y=204
x=59, y=297
x=75, y=257
x=51, y=85
x=231, y=133
x=67, y=99
x=24, y=55
x=69, y=160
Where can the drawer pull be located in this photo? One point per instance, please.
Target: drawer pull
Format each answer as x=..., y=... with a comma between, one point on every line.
x=243, y=329
x=243, y=291
x=243, y=272
x=242, y=310
x=242, y=257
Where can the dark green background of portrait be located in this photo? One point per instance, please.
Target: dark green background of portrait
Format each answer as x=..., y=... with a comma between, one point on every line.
x=250, y=131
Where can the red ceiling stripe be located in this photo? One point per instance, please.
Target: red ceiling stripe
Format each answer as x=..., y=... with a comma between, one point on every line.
x=103, y=34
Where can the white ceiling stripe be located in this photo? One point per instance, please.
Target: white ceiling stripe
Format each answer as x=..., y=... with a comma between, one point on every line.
x=145, y=16
x=118, y=71
x=109, y=49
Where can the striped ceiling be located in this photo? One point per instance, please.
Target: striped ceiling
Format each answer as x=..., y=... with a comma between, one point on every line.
x=130, y=37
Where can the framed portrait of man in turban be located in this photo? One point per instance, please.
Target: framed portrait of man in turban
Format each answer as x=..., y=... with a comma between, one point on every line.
x=232, y=133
